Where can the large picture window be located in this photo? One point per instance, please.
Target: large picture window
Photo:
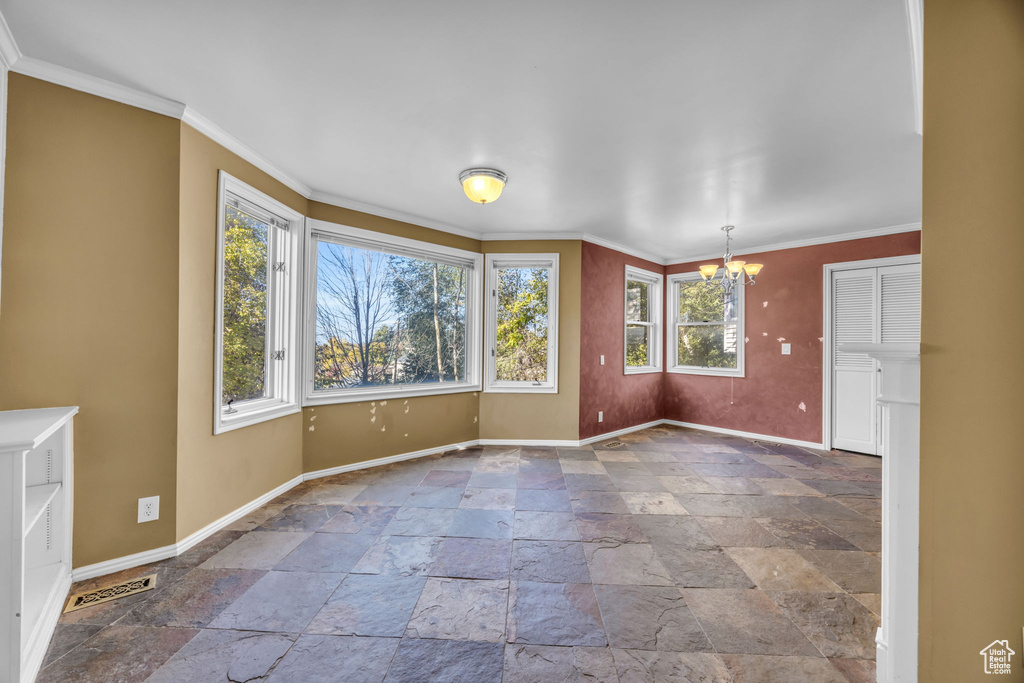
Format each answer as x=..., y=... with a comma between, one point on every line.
x=522, y=323
x=643, y=321
x=708, y=338
x=256, y=297
x=388, y=317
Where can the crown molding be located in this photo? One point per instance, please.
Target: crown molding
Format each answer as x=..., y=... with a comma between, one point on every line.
x=76, y=80
x=915, y=27
x=638, y=253
x=355, y=205
x=9, y=52
x=233, y=144
x=810, y=242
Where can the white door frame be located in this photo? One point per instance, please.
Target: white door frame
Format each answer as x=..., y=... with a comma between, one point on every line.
x=827, y=341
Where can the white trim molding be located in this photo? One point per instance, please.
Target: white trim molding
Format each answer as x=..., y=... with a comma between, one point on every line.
x=655, y=288
x=746, y=435
x=915, y=27
x=674, y=323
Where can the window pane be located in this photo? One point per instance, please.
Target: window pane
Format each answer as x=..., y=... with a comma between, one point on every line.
x=637, y=298
x=700, y=302
x=522, y=325
x=245, y=307
x=637, y=345
x=384, y=320
x=708, y=346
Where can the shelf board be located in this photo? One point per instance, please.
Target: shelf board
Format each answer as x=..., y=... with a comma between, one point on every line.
x=36, y=500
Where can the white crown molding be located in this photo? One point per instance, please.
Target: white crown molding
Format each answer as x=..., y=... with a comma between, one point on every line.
x=809, y=242
x=9, y=52
x=76, y=80
x=355, y=205
x=602, y=242
x=233, y=144
x=915, y=26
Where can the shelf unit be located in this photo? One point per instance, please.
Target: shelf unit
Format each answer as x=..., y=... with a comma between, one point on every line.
x=35, y=534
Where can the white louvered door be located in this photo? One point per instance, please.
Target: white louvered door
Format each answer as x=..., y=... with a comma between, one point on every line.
x=873, y=305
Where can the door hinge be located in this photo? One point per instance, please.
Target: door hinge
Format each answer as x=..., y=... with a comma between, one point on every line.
x=277, y=355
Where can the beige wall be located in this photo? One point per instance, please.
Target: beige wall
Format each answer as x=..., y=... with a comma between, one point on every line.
x=90, y=299
x=544, y=416
x=343, y=433
x=218, y=474
x=972, y=468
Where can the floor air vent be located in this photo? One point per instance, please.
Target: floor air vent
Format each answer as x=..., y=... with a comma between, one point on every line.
x=613, y=444
x=108, y=593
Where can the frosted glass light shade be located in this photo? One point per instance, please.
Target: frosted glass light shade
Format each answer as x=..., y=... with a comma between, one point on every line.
x=735, y=267
x=708, y=272
x=752, y=269
x=483, y=185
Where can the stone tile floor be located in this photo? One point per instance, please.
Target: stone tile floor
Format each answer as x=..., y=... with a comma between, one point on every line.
x=679, y=556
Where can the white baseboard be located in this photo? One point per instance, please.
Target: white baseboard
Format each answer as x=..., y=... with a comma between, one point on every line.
x=386, y=460
x=619, y=432
x=745, y=435
x=168, y=551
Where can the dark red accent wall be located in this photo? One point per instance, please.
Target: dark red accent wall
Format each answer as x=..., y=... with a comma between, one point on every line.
x=626, y=400
x=780, y=395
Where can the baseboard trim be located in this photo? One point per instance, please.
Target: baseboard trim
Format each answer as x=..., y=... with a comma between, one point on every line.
x=619, y=432
x=173, y=550
x=745, y=435
x=377, y=462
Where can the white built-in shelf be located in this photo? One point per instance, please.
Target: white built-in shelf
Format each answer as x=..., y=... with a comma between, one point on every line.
x=36, y=500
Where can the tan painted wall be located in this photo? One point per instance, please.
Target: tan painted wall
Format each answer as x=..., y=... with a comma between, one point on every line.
x=544, y=416
x=343, y=434
x=218, y=474
x=972, y=468
x=90, y=299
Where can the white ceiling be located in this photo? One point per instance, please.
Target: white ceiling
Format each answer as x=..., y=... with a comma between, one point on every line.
x=646, y=123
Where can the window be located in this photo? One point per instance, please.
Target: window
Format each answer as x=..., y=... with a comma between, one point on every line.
x=522, y=323
x=708, y=336
x=256, y=301
x=388, y=317
x=643, y=321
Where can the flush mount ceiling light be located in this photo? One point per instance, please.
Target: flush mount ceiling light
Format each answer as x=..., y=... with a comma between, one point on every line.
x=483, y=185
x=733, y=269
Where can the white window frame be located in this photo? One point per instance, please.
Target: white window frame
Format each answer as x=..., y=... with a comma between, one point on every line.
x=655, y=284
x=673, y=341
x=284, y=246
x=493, y=263
x=368, y=239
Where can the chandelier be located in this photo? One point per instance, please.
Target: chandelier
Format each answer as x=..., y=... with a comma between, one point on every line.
x=732, y=274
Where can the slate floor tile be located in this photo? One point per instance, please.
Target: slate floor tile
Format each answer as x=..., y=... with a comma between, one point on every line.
x=599, y=501
x=805, y=533
x=400, y=555
x=359, y=519
x=549, y=561
x=67, y=637
x=369, y=605
x=300, y=518
x=653, y=504
x=323, y=552
x=681, y=531
x=319, y=659
x=741, y=532
x=543, y=500
x=195, y=600
x=746, y=622
x=384, y=495
x=280, y=601
x=862, y=533
x=493, y=480
x=545, y=526
x=763, y=669
x=127, y=654
x=460, y=609
x=634, y=564
x=473, y=558
x=649, y=618
x=835, y=623
x=451, y=478
x=419, y=660
x=470, y=523
x=489, y=499
x=589, y=482
x=537, y=663
x=225, y=656
x=781, y=569
x=554, y=614
x=691, y=483
x=609, y=528
x=649, y=666
x=701, y=568
x=414, y=521
x=256, y=550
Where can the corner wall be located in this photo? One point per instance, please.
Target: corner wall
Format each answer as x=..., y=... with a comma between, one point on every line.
x=90, y=299
x=972, y=469
x=780, y=395
x=626, y=400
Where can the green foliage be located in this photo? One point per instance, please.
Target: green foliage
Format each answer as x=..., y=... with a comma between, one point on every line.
x=522, y=325
x=245, y=307
x=637, y=310
x=636, y=346
x=709, y=345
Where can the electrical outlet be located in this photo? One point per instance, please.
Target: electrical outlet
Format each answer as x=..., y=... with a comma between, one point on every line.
x=602, y=360
x=149, y=509
x=600, y=416
x=786, y=349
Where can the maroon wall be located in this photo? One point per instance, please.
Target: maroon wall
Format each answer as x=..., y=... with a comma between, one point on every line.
x=780, y=395
x=626, y=400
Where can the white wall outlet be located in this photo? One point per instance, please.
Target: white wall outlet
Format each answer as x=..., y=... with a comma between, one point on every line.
x=786, y=349
x=600, y=416
x=602, y=360
x=149, y=509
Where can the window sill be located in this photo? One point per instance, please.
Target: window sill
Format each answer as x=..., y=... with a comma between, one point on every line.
x=711, y=372
x=521, y=388
x=247, y=418
x=385, y=394
x=646, y=370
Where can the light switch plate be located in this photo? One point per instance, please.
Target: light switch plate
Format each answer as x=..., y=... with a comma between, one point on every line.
x=786, y=349
x=600, y=416
x=602, y=360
